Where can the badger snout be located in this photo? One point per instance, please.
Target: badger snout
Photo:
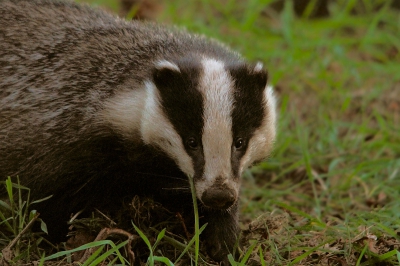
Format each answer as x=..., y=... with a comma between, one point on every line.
x=219, y=197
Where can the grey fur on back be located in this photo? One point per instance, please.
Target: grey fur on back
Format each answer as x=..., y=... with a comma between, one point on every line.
x=69, y=60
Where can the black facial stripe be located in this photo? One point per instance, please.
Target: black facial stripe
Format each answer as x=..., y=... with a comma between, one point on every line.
x=248, y=111
x=183, y=104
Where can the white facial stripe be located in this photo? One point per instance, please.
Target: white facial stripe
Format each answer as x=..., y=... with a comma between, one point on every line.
x=216, y=86
x=157, y=129
x=260, y=144
x=124, y=112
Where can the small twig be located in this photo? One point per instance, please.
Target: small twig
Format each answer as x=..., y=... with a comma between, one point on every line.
x=360, y=235
x=106, y=217
x=183, y=225
x=23, y=231
x=104, y=234
x=7, y=254
x=74, y=216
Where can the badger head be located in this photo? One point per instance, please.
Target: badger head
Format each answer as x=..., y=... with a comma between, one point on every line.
x=213, y=119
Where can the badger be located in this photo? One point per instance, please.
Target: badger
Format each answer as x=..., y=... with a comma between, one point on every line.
x=95, y=109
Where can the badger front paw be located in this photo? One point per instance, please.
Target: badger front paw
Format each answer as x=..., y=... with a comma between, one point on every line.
x=221, y=234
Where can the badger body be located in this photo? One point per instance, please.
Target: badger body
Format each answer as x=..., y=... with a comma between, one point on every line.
x=94, y=110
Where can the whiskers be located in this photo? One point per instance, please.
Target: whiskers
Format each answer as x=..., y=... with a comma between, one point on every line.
x=181, y=189
x=177, y=188
x=173, y=183
x=161, y=175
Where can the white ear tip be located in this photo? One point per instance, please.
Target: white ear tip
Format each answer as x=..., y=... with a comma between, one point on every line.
x=259, y=66
x=167, y=64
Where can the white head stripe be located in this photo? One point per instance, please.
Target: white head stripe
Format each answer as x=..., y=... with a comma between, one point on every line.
x=260, y=144
x=216, y=85
x=157, y=129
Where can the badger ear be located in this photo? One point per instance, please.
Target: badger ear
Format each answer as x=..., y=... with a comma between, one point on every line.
x=250, y=76
x=259, y=75
x=166, y=73
x=164, y=64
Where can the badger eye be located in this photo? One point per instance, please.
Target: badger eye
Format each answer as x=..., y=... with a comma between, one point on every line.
x=239, y=142
x=192, y=143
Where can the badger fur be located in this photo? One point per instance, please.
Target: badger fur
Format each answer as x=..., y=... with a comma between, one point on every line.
x=94, y=109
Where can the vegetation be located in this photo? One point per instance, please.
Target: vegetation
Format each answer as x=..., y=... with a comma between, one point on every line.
x=329, y=193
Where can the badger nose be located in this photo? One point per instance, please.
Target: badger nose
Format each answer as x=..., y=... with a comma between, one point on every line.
x=218, y=198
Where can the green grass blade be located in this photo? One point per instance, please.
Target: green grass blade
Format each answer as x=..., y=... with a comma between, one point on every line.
x=232, y=260
x=114, y=249
x=305, y=254
x=164, y=260
x=301, y=213
x=196, y=221
x=83, y=247
x=247, y=254
x=388, y=255
x=361, y=255
x=94, y=256
x=262, y=260
x=4, y=205
x=160, y=236
x=41, y=200
x=147, y=241
x=190, y=244
x=9, y=188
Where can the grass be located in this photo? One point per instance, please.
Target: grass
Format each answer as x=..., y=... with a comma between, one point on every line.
x=329, y=193
x=16, y=219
